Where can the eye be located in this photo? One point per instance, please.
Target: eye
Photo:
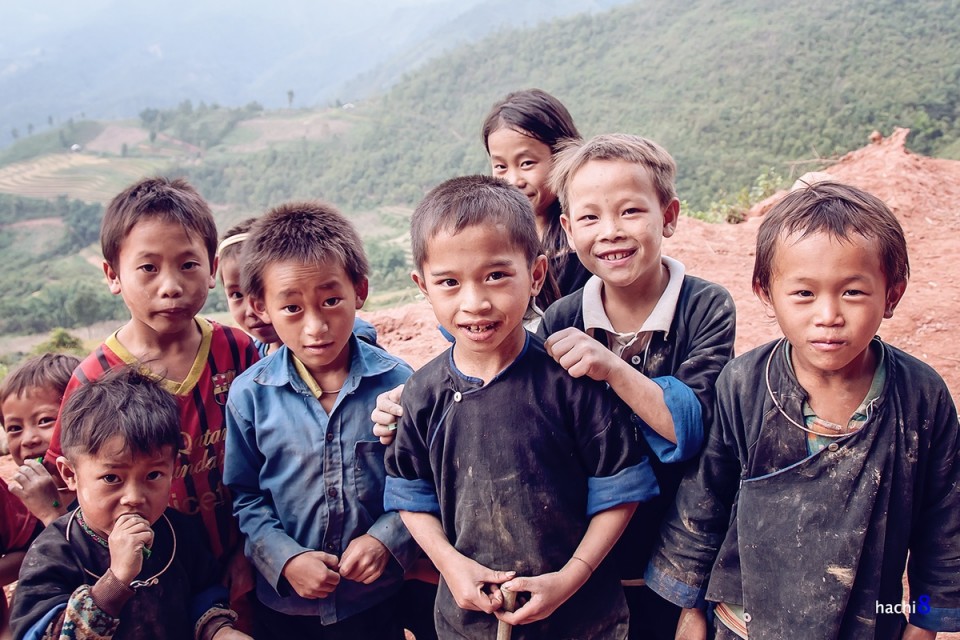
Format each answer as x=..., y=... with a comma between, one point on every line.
x=332, y=302
x=497, y=275
x=291, y=308
x=802, y=293
x=448, y=282
x=14, y=429
x=147, y=268
x=190, y=265
x=499, y=167
x=155, y=475
x=47, y=421
x=632, y=211
x=235, y=296
x=526, y=164
x=110, y=478
x=852, y=293
x=586, y=217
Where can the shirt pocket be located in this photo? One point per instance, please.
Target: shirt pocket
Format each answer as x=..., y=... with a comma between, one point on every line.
x=369, y=473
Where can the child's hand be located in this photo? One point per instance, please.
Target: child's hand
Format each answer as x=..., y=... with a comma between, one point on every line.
x=692, y=625
x=386, y=415
x=580, y=354
x=473, y=586
x=546, y=592
x=229, y=633
x=131, y=533
x=312, y=574
x=364, y=559
x=35, y=488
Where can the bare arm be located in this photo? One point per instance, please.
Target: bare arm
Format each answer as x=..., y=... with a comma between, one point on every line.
x=550, y=590
x=473, y=586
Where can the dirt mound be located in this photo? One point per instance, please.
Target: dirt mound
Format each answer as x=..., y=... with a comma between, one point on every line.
x=922, y=192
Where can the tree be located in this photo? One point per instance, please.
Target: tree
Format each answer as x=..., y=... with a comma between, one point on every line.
x=14, y=133
x=29, y=128
x=61, y=341
x=290, y=98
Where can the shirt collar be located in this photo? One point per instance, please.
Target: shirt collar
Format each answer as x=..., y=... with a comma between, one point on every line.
x=660, y=319
x=280, y=367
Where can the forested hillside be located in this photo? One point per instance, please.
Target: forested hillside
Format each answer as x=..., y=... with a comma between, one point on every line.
x=730, y=88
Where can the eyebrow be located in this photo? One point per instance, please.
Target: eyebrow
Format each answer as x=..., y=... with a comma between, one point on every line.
x=502, y=262
x=292, y=291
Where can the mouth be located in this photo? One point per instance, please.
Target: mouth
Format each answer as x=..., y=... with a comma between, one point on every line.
x=173, y=311
x=827, y=344
x=479, y=331
x=616, y=256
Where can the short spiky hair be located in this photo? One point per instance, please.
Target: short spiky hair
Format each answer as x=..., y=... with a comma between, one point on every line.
x=304, y=232
x=474, y=200
x=642, y=152
x=169, y=200
x=49, y=371
x=124, y=403
x=838, y=210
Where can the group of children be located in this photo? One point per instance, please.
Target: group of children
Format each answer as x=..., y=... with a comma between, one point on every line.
x=586, y=460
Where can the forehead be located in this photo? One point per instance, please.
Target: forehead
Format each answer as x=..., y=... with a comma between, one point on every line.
x=156, y=234
x=293, y=276
x=507, y=141
x=116, y=453
x=825, y=254
x=472, y=243
x=598, y=177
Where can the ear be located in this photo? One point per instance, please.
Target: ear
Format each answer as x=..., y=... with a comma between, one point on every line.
x=565, y=223
x=68, y=473
x=538, y=273
x=260, y=309
x=670, y=216
x=213, y=272
x=894, y=295
x=362, y=289
x=421, y=283
x=113, y=278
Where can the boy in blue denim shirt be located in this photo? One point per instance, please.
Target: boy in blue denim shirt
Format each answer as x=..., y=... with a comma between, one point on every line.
x=306, y=474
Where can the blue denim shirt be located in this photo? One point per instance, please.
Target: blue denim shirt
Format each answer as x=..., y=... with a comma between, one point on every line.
x=303, y=480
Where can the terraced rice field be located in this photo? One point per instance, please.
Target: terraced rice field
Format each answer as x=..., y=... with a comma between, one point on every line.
x=75, y=175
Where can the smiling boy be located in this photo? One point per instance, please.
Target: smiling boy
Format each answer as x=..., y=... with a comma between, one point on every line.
x=509, y=473
x=306, y=473
x=658, y=336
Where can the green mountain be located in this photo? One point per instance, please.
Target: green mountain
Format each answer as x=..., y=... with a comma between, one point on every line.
x=731, y=88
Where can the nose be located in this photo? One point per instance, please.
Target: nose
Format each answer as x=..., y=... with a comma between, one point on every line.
x=474, y=299
x=828, y=312
x=610, y=228
x=133, y=495
x=515, y=177
x=314, y=325
x=171, y=286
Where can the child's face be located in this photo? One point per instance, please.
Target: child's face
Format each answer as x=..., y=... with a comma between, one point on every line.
x=117, y=481
x=616, y=223
x=479, y=285
x=163, y=274
x=525, y=163
x=28, y=420
x=312, y=308
x=829, y=297
x=240, y=307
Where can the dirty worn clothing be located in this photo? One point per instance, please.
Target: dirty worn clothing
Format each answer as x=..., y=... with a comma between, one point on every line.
x=514, y=470
x=819, y=542
x=686, y=358
x=18, y=527
x=306, y=480
x=56, y=577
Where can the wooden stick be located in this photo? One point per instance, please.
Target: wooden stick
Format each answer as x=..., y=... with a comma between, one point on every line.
x=509, y=604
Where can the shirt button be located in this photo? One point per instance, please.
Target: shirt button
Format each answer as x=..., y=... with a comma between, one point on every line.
x=634, y=418
x=329, y=436
x=331, y=547
x=332, y=492
x=635, y=359
x=457, y=396
x=747, y=617
x=833, y=446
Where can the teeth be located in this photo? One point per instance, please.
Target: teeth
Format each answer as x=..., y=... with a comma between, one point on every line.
x=476, y=328
x=616, y=256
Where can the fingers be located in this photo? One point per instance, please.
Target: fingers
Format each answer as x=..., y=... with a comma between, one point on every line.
x=332, y=561
x=387, y=434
